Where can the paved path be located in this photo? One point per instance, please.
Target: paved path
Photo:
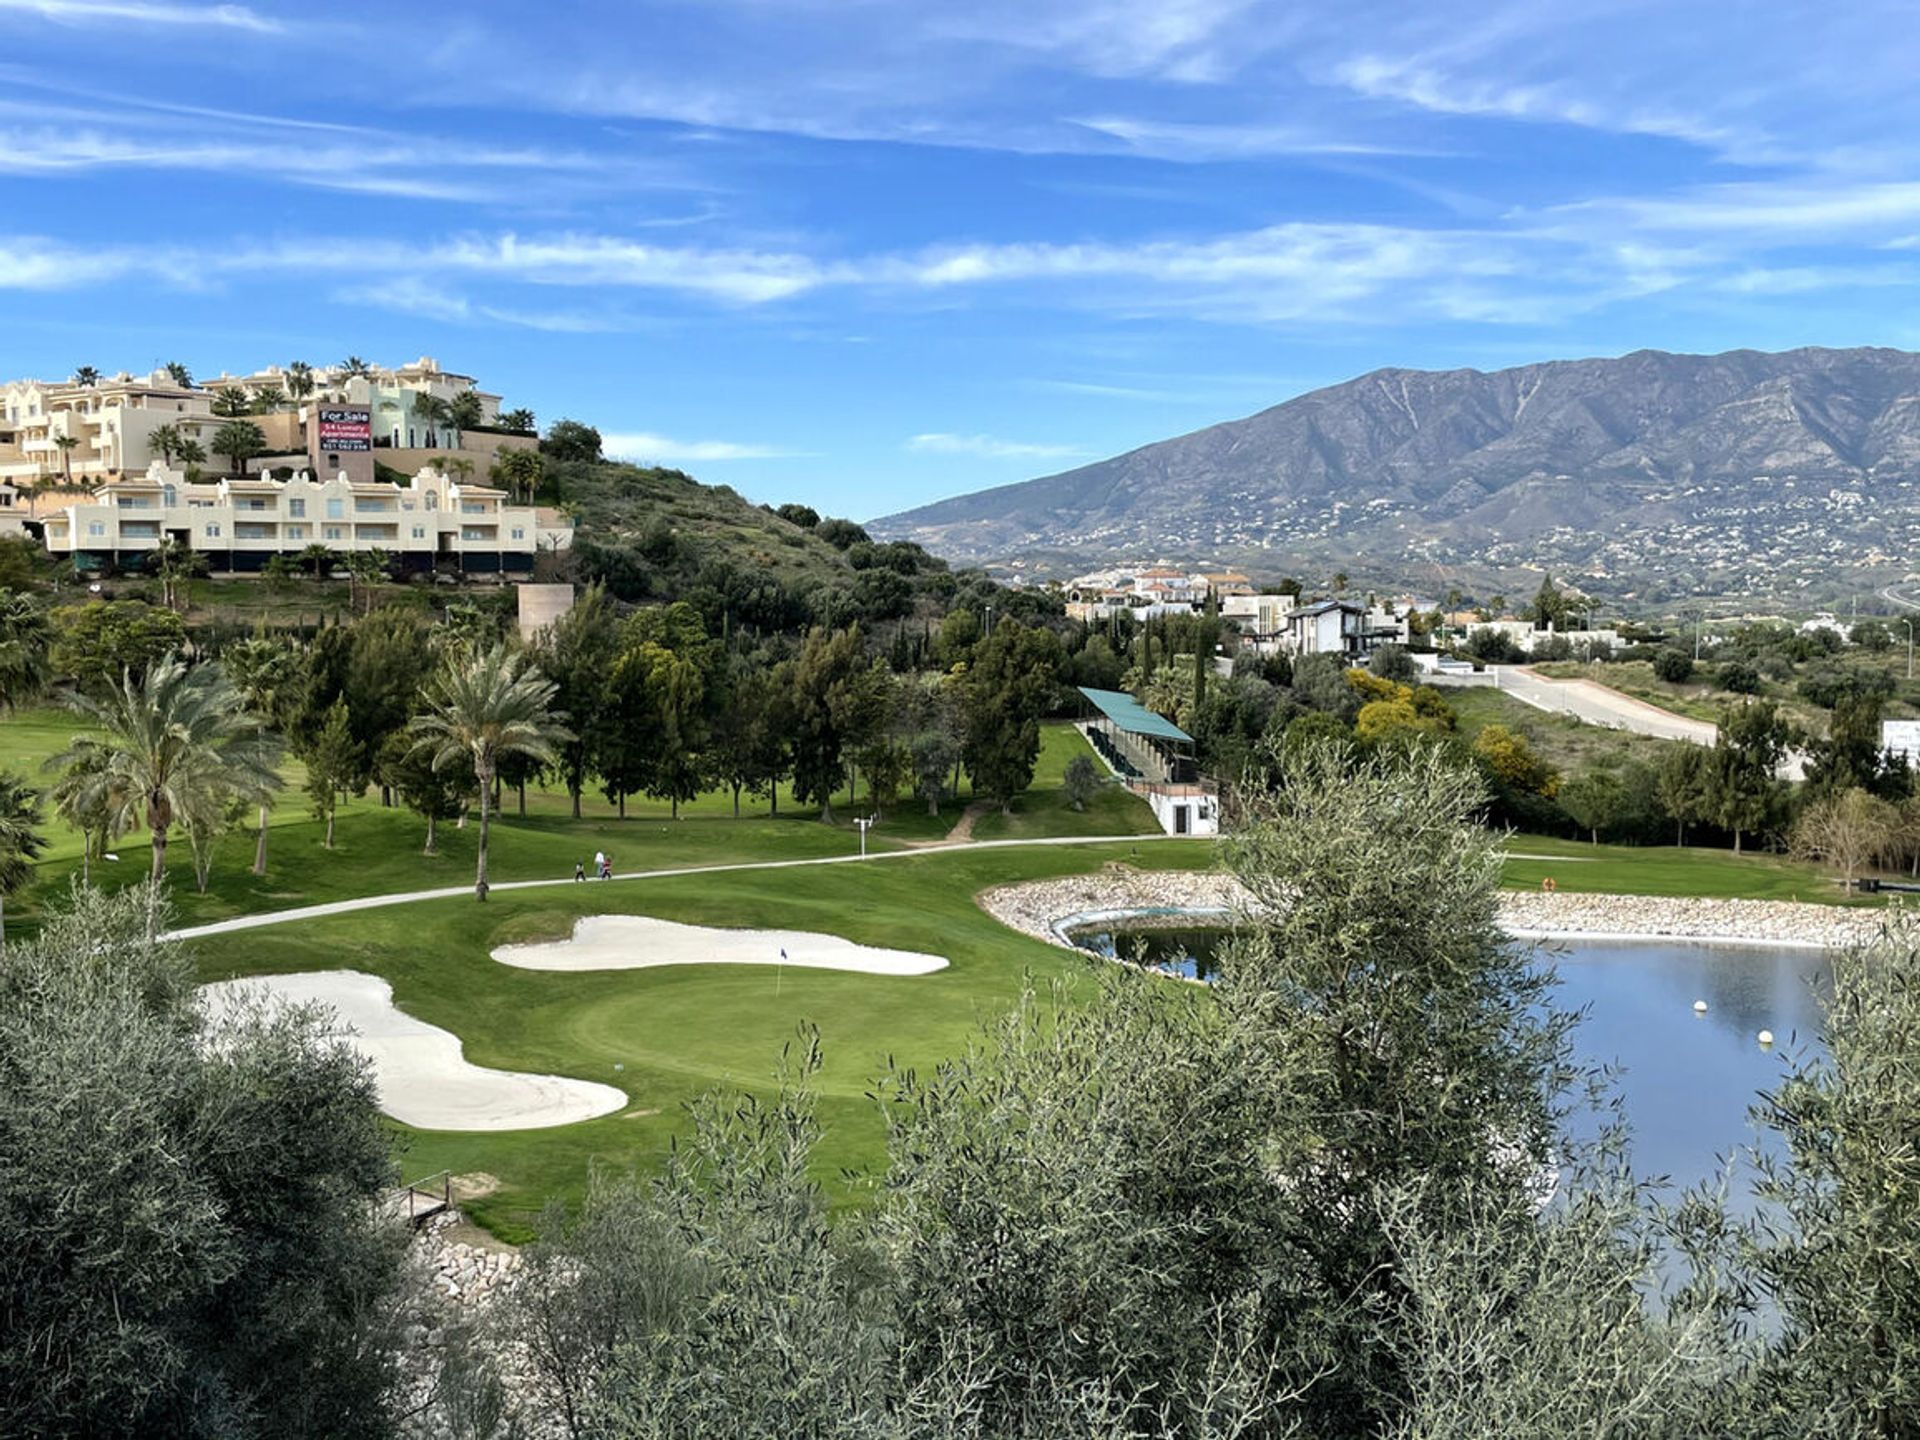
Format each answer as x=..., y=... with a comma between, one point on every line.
x=448, y=892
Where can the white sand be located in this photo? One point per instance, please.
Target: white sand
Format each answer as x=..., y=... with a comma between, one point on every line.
x=635, y=942
x=423, y=1078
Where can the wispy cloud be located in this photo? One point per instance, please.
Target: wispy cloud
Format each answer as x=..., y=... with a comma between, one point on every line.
x=643, y=447
x=1430, y=88
x=988, y=447
x=147, y=12
x=1191, y=141
x=1112, y=392
x=421, y=167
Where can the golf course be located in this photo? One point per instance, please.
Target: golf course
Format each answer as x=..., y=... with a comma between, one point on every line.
x=640, y=1041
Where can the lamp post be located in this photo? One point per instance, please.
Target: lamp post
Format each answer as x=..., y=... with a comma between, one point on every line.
x=1909, y=625
x=989, y=625
x=863, y=821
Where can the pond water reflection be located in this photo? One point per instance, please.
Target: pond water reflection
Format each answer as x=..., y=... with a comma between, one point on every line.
x=1686, y=1080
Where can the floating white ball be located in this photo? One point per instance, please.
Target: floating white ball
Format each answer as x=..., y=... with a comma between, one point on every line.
x=1766, y=1037
x=1699, y=1007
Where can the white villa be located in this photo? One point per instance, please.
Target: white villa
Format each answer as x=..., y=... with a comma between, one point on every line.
x=1280, y=625
x=239, y=523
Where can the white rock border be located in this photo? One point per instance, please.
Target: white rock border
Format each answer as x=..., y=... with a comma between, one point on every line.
x=1046, y=909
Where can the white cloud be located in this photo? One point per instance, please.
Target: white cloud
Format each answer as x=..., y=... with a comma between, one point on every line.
x=142, y=12
x=644, y=447
x=987, y=447
x=1798, y=207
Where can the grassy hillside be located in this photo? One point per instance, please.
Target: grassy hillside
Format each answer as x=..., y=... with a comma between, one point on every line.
x=1569, y=745
x=674, y=524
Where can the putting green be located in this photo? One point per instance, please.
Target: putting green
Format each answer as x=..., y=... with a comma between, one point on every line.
x=667, y=1034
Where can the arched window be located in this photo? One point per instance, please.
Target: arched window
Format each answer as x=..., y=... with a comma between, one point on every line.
x=169, y=496
x=433, y=499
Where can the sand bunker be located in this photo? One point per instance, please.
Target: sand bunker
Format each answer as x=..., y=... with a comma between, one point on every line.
x=635, y=942
x=423, y=1078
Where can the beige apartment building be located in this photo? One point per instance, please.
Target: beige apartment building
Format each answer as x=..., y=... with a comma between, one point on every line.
x=431, y=522
x=112, y=422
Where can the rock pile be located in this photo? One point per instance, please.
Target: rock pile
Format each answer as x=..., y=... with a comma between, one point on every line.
x=459, y=1272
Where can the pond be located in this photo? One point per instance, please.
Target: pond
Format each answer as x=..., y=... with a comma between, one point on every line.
x=1685, y=1079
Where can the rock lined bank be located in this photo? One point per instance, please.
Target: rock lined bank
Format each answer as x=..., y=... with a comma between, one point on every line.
x=1044, y=909
x=462, y=1273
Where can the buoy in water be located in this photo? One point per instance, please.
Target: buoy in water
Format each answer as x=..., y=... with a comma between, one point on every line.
x=1766, y=1037
x=1699, y=1007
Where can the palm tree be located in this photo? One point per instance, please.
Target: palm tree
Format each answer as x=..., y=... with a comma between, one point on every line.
x=20, y=841
x=267, y=674
x=239, y=441
x=319, y=557
x=66, y=445
x=354, y=365
x=86, y=376
x=269, y=400
x=434, y=412
x=166, y=439
x=230, y=402
x=480, y=710
x=180, y=374
x=26, y=638
x=192, y=455
x=463, y=413
x=364, y=568
x=519, y=421
x=174, y=561
x=82, y=796
x=299, y=379
x=519, y=472
x=179, y=741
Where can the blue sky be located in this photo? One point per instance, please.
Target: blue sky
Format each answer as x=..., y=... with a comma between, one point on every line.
x=866, y=253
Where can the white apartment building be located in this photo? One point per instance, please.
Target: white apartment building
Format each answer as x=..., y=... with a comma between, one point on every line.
x=238, y=524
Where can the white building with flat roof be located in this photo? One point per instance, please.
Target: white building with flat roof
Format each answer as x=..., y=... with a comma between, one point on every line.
x=1900, y=739
x=240, y=523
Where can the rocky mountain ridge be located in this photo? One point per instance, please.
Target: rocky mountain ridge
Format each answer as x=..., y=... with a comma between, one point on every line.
x=1652, y=474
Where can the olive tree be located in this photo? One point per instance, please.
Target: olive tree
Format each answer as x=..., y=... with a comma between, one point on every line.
x=190, y=1244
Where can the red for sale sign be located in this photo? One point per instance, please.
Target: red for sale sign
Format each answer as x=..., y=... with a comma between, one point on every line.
x=346, y=429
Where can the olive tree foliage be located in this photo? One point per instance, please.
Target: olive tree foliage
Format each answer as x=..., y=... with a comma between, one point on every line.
x=189, y=1245
x=1837, y=1250
x=1537, y=1326
x=1400, y=1036
x=721, y=1299
x=1080, y=1209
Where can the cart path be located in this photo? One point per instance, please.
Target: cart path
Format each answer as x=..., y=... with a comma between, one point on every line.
x=451, y=892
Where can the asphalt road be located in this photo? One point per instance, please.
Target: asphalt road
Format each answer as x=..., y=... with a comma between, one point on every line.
x=1600, y=705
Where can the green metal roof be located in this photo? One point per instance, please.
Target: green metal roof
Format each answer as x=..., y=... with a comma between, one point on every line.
x=1133, y=717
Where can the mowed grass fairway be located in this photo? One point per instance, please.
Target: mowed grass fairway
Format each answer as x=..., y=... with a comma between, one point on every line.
x=682, y=1030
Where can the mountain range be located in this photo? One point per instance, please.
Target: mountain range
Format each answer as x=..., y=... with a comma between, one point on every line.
x=1652, y=476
